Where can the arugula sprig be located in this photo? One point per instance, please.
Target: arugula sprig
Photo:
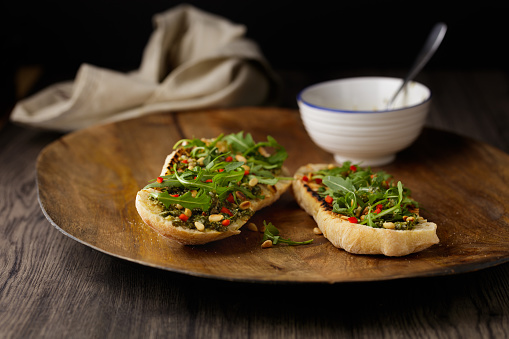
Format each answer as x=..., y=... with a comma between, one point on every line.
x=355, y=192
x=371, y=217
x=201, y=201
x=272, y=233
x=197, y=143
x=249, y=149
x=217, y=177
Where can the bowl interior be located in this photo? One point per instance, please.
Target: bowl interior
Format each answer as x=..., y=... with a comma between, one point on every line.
x=363, y=94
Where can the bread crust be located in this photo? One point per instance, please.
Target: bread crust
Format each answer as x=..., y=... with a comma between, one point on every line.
x=356, y=238
x=150, y=211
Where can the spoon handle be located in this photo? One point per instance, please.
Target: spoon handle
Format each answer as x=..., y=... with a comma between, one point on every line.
x=434, y=39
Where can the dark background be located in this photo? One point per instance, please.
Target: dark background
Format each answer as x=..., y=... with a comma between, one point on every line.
x=311, y=37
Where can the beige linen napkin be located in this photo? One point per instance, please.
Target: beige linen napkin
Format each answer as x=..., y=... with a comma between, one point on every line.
x=192, y=60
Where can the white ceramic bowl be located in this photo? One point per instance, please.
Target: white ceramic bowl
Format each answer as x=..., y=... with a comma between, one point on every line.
x=348, y=118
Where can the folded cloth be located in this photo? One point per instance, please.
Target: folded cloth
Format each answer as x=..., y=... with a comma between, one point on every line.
x=193, y=60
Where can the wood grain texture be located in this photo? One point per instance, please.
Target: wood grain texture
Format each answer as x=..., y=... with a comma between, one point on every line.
x=102, y=183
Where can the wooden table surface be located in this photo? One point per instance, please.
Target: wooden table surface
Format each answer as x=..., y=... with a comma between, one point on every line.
x=54, y=287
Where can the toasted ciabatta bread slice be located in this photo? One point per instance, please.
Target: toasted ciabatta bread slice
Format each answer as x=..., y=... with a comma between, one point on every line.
x=344, y=230
x=208, y=189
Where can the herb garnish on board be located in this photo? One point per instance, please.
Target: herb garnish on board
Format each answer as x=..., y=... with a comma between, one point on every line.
x=272, y=233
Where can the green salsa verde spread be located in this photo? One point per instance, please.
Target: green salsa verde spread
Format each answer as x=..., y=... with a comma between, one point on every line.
x=211, y=183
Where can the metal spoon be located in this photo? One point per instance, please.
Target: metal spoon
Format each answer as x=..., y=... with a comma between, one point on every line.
x=434, y=39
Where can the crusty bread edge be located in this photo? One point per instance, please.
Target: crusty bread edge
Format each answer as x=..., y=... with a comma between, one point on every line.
x=149, y=212
x=356, y=238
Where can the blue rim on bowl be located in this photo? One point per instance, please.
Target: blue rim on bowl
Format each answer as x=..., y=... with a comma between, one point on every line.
x=301, y=100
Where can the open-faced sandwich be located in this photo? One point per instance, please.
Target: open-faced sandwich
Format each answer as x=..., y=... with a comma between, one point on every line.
x=209, y=188
x=362, y=212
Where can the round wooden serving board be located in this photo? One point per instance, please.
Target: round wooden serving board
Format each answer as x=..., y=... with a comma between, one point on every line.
x=87, y=183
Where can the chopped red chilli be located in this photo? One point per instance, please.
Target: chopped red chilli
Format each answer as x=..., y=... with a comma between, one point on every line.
x=226, y=211
x=230, y=198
